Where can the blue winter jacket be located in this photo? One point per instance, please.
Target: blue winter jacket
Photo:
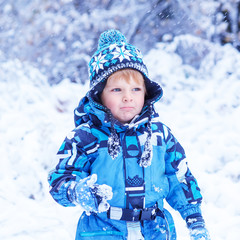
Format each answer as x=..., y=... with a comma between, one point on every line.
x=85, y=152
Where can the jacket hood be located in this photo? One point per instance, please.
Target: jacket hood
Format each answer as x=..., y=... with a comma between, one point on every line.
x=154, y=93
x=91, y=108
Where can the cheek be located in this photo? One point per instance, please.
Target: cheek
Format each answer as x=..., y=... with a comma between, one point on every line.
x=108, y=101
x=110, y=105
x=141, y=101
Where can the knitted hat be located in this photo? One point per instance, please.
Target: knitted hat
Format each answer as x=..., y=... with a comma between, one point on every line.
x=114, y=53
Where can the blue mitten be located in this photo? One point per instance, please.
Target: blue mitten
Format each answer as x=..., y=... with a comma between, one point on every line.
x=196, y=226
x=90, y=196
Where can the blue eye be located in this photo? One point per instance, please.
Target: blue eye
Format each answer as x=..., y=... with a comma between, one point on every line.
x=137, y=89
x=116, y=90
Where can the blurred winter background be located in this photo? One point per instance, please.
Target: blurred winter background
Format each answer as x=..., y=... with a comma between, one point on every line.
x=190, y=47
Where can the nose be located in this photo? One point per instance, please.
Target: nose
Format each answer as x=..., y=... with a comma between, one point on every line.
x=127, y=97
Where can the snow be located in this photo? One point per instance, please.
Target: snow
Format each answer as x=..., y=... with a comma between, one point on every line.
x=201, y=106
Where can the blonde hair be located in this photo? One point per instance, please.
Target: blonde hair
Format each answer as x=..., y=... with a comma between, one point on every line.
x=126, y=73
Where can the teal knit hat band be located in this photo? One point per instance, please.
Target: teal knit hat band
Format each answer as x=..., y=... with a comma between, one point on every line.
x=114, y=53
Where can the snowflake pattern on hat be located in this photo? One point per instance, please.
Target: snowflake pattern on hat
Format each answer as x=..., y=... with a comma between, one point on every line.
x=121, y=53
x=98, y=62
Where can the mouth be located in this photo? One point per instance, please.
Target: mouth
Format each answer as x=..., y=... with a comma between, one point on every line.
x=127, y=108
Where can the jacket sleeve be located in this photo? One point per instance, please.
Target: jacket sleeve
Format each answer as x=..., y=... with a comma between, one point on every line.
x=76, y=155
x=184, y=193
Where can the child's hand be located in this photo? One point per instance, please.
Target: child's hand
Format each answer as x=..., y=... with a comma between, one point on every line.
x=196, y=225
x=92, y=197
x=102, y=194
x=199, y=234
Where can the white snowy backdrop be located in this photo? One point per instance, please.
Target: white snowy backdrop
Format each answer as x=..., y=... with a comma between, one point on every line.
x=201, y=105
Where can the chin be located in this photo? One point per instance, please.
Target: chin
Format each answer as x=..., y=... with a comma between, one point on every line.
x=126, y=121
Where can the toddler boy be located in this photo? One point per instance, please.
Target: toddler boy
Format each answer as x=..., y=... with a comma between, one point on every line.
x=121, y=162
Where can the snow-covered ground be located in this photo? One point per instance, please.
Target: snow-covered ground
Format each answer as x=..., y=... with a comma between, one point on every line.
x=202, y=107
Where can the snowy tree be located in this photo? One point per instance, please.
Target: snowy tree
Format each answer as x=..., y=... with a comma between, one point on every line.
x=59, y=37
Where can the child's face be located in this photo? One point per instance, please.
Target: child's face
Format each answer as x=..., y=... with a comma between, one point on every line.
x=124, y=95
